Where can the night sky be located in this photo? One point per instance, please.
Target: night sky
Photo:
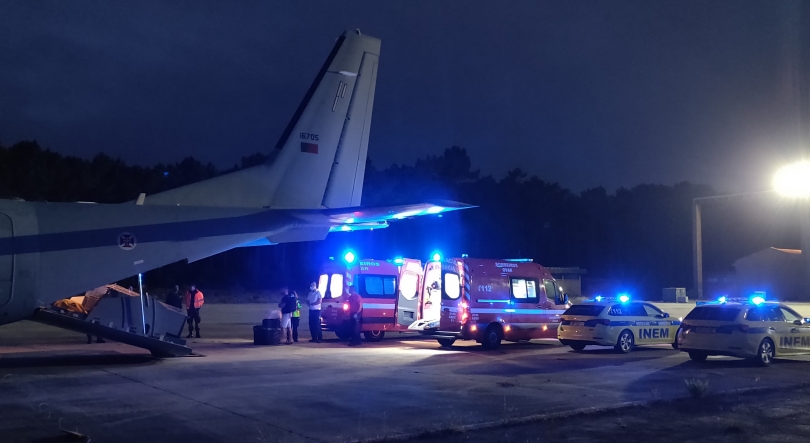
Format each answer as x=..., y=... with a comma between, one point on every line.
x=581, y=93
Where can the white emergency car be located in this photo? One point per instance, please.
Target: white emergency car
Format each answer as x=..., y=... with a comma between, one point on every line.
x=619, y=322
x=755, y=329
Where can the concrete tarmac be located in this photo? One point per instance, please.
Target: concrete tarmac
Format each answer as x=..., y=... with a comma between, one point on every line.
x=51, y=380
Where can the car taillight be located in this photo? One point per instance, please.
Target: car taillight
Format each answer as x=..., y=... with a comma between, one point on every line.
x=345, y=306
x=598, y=321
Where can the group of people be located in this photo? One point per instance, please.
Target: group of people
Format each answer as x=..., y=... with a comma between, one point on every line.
x=193, y=300
x=290, y=306
x=291, y=315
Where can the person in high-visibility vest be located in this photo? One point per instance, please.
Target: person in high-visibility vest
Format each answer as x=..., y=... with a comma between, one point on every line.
x=194, y=300
x=296, y=317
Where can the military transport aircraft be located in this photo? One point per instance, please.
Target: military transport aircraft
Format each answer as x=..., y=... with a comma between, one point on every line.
x=310, y=186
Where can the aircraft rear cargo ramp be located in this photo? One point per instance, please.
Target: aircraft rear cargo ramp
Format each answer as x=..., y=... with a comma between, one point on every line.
x=117, y=314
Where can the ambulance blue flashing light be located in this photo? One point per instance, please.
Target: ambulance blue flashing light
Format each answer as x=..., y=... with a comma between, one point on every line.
x=349, y=257
x=437, y=256
x=757, y=299
x=624, y=298
x=398, y=260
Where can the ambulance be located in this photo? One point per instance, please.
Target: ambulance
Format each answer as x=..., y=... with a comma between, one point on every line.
x=488, y=301
x=390, y=291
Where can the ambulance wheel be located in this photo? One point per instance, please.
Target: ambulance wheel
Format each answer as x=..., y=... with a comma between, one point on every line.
x=343, y=334
x=625, y=342
x=578, y=347
x=698, y=356
x=446, y=342
x=492, y=337
x=765, y=353
x=374, y=335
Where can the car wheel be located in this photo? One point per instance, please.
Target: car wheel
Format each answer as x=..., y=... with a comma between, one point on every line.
x=578, y=347
x=374, y=335
x=625, y=342
x=446, y=342
x=765, y=352
x=492, y=337
x=698, y=356
x=675, y=343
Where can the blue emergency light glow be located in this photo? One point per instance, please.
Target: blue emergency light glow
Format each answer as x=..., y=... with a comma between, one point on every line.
x=435, y=210
x=757, y=300
x=624, y=298
x=350, y=220
x=398, y=260
x=722, y=299
x=598, y=298
x=346, y=228
x=437, y=256
x=349, y=257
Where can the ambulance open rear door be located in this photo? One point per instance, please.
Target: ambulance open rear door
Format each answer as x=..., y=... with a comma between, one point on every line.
x=408, y=297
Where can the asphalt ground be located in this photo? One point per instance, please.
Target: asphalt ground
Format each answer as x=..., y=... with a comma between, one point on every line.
x=50, y=381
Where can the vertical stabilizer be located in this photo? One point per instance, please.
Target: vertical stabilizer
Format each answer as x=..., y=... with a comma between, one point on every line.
x=321, y=155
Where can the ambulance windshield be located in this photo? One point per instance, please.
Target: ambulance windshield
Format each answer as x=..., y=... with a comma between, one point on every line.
x=452, y=286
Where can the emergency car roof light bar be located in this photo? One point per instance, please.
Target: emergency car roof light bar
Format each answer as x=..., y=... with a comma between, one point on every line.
x=623, y=298
x=398, y=260
x=436, y=256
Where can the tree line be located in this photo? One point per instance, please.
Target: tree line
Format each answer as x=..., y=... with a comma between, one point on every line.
x=636, y=239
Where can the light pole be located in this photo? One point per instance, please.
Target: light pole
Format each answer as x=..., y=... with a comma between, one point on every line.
x=791, y=181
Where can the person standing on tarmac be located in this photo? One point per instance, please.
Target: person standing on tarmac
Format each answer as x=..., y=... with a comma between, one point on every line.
x=175, y=299
x=356, y=315
x=287, y=305
x=314, y=302
x=194, y=301
x=296, y=317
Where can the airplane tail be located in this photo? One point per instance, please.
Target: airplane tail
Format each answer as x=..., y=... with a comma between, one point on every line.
x=321, y=156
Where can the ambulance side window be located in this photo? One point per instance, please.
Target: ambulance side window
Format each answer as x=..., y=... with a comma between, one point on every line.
x=379, y=286
x=524, y=290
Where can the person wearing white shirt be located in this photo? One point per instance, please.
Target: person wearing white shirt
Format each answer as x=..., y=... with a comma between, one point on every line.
x=314, y=299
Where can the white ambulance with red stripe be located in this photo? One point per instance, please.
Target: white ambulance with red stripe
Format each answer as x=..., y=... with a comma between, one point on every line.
x=390, y=291
x=489, y=301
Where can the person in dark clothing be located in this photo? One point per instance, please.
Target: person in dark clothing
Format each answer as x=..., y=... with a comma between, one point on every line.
x=175, y=298
x=356, y=317
x=287, y=305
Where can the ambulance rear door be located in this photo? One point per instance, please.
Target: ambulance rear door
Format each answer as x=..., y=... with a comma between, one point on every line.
x=408, y=294
x=451, y=299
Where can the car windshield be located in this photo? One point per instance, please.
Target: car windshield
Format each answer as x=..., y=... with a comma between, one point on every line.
x=718, y=313
x=588, y=310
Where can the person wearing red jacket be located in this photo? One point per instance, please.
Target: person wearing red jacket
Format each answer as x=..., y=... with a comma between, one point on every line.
x=194, y=300
x=356, y=317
